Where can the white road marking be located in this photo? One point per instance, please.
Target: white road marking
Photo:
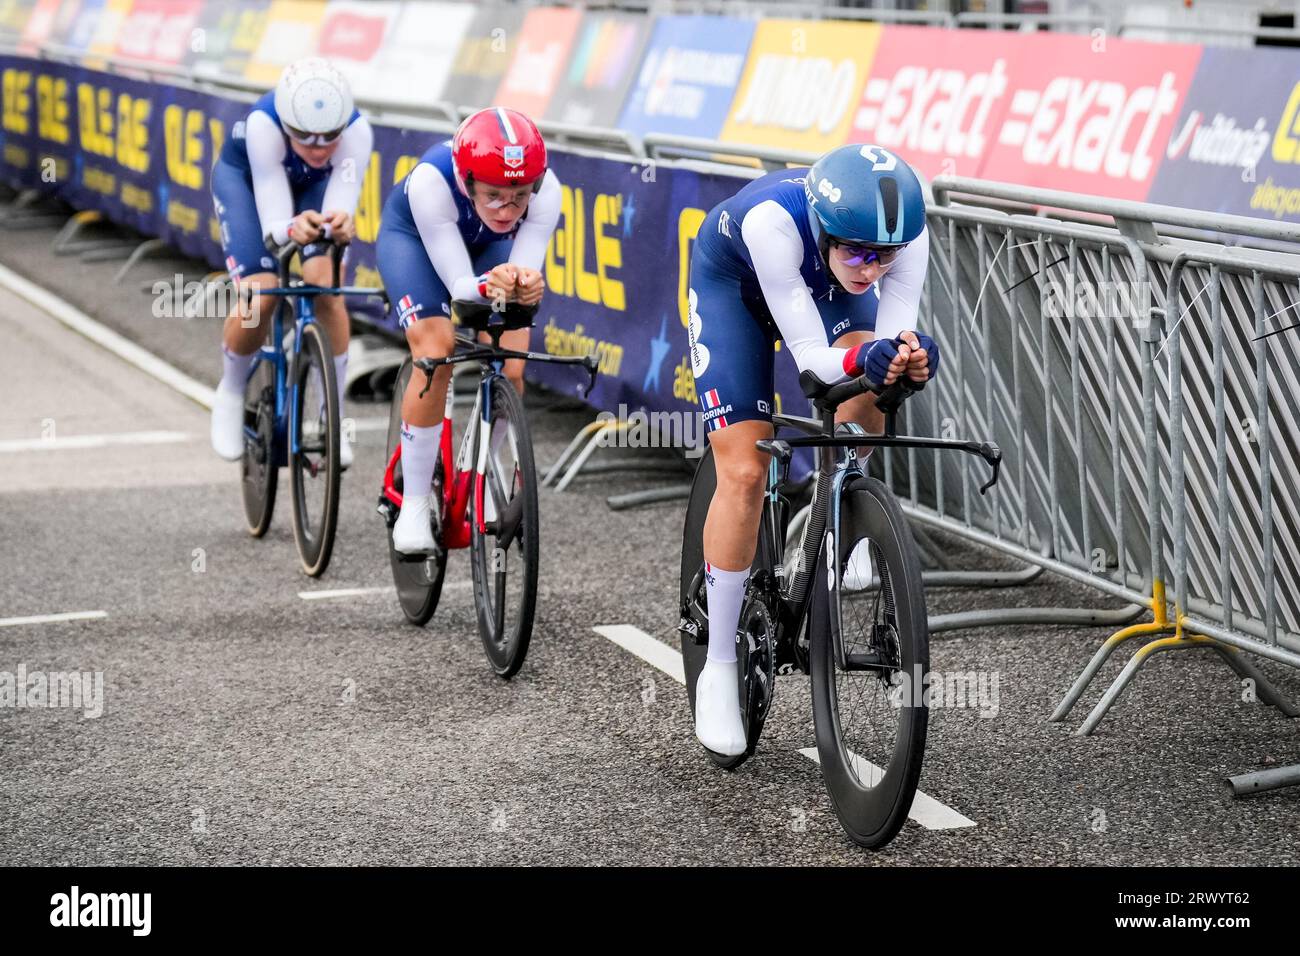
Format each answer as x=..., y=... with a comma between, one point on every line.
x=654, y=652
x=102, y=335
x=72, y=442
x=327, y=595
x=51, y=618
x=926, y=810
x=369, y=424
x=343, y=593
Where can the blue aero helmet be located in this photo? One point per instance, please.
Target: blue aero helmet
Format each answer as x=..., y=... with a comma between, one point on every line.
x=864, y=195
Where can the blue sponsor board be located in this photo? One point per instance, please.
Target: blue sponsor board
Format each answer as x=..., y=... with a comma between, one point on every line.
x=689, y=74
x=1236, y=146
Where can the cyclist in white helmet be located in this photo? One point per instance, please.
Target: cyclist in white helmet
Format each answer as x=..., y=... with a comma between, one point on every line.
x=291, y=169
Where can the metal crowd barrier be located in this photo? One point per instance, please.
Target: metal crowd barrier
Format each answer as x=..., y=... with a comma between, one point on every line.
x=1134, y=449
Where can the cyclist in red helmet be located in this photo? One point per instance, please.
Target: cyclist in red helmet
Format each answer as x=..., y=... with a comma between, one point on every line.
x=471, y=221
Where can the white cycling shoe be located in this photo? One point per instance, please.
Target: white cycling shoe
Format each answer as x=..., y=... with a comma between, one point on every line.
x=413, y=530
x=228, y=425
x=857, y=573
x=717, y=709
x=345, y=452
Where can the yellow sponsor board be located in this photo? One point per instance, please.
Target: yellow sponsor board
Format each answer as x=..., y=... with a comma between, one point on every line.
x=292, y=27
x=801, y=84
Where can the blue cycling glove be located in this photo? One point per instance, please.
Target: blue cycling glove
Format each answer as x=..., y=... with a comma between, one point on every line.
x=873, y=359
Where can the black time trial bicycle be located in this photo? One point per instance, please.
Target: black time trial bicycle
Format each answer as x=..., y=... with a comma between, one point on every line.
x=867, y=651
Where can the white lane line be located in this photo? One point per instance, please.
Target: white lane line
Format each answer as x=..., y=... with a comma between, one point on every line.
x=926, y=810
x=369, y=424
x=654, y=652
x=72, y=442
x=343, y=593
x=51, y=618
x=328, y=595
x=102, y=335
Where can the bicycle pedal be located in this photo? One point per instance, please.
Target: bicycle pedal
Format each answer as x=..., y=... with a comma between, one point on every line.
x=691, y=628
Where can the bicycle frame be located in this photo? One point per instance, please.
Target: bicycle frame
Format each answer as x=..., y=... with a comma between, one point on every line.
x=474, y=452
x=823, y=524
x=304, y=298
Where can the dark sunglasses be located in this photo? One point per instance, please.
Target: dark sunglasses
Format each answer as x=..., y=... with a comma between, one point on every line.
x=313, y=139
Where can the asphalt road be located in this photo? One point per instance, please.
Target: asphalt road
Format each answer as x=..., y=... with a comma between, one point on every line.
x=244, y=722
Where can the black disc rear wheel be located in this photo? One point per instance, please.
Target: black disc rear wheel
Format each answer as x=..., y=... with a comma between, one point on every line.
x=259, y=471
x=418, y=581
x=504, y=557
x=314, y=467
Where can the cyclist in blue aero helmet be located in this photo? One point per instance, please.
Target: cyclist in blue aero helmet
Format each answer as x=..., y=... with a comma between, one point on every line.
x=831, y=260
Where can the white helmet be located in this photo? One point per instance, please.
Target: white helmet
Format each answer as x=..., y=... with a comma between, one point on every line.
x=313, y=97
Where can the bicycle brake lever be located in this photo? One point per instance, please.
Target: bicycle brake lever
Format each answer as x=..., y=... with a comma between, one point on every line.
x=592, y=367
x=428, y=379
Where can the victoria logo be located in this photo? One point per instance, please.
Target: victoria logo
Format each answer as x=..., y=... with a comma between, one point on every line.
x=514, y=156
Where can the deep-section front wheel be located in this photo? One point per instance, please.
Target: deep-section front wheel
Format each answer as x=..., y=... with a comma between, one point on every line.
x=418, y=581
x=259, y=468
x=504, y=557
x=314, y=449
x=868, y=686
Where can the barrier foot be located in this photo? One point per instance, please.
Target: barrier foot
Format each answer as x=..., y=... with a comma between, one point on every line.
x=592, y=443
x=583, y=433
x=1107, y=648
x=1245, y=784
x=107, y=252
x=635, y=464
x=1033, y=615
x=1265, y=689
x=76, y=222
x=148, y=247
x=987, y=579
x=1140, y=657
x=635, y=499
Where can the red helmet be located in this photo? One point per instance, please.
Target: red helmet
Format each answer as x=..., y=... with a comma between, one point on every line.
x=497, y=147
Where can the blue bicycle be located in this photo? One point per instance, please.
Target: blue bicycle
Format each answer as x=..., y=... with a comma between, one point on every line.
x=292, y=417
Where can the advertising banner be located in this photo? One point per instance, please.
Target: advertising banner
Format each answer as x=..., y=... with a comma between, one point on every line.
x=688, y=76
x=76, y=23
x=601, y=67
x=937, y=97
x=1090, y=115
x=160, y=31
x=802, y=84
x=540, y=57
x=108, y=24
x=485, y=53
x=289, y=34
x=352, y=33
x=39, y=26
x=1237, y=154
x=415, y=60
x=228, y=33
